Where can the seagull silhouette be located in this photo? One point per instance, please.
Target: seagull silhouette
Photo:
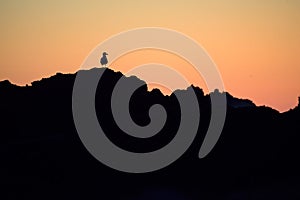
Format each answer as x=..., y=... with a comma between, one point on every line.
x=103, y=59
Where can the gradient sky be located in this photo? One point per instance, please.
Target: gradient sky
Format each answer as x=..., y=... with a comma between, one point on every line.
x=255, y=43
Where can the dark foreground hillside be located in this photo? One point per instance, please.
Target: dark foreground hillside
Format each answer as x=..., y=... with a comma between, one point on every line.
x=256, y=157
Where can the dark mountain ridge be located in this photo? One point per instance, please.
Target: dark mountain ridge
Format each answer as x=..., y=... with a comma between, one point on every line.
x=256, y=157
x=56, y=81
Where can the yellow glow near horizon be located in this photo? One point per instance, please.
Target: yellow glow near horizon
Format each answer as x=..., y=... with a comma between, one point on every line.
x=254, y=43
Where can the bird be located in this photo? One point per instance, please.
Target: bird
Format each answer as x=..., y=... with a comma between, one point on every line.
x=103, y=59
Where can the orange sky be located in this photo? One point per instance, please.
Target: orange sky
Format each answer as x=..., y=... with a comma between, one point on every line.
x=254, y=43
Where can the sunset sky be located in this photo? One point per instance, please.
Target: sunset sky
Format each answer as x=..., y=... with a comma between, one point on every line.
x=254, y=43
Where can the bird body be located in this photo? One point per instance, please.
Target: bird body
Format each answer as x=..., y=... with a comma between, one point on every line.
x=103, y=59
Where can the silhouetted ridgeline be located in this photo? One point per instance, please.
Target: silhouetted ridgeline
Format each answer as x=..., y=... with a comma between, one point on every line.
x=256, y=157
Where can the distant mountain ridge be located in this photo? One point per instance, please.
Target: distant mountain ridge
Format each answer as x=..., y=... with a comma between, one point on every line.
x=233, y=102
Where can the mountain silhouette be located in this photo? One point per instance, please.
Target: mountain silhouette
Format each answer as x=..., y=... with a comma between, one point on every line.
x=256, y=157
